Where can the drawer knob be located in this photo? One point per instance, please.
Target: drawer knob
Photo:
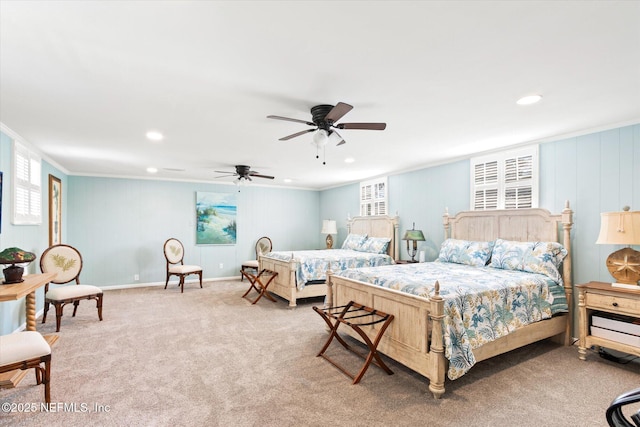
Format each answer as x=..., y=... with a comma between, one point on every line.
x=615, y=304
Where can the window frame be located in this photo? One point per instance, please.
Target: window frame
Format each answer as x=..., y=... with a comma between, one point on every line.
x=27, y=187
x=378, y=201
x=516, y=183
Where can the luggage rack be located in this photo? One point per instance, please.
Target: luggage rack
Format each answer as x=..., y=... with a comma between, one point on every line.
x=355, y=316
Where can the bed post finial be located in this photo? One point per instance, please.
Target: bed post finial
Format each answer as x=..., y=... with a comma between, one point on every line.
x=446, y=224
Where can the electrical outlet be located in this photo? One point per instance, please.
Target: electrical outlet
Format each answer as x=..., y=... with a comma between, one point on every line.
x=221, y=265
x=136, y=277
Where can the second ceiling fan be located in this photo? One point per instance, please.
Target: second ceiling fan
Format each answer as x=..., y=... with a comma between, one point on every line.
x=324, y=118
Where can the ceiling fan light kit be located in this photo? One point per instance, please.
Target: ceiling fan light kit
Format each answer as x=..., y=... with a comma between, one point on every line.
x=324, y=118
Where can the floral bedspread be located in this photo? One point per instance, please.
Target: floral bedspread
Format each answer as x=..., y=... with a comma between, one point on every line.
x=481, y=303
x=313, y=264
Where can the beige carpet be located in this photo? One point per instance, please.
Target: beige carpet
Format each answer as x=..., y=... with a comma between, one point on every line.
x=208, y=357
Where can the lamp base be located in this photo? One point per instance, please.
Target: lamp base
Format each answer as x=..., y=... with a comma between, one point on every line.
x=624, y=266
x=329, y=241
x=13, y=274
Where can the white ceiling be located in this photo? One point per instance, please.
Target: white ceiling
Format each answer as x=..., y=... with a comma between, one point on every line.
x=84, y=81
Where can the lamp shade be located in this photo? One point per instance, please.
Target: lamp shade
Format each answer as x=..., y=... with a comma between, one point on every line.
x=619, y=228
x=16, y=256
x=413, y=235
x=329, y=227
x=321, y=137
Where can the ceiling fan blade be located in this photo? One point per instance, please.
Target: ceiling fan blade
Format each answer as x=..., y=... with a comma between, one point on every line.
x=337, y=112
x=337, y=137
x=225, y=176
x=285, y=138
x=291, y=120
x=223, y=172
x=367, y=126
x=257, y=175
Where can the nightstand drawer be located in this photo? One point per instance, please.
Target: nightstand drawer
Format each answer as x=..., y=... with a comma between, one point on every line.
x=612, y=304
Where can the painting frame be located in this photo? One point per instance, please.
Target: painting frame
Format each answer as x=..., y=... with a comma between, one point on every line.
x=55, y=210
x=216, y=218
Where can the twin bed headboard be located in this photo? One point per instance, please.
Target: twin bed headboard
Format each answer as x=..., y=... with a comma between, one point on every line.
x=377, y=226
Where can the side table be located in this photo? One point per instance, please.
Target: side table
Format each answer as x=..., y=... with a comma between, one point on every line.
x=601, y=296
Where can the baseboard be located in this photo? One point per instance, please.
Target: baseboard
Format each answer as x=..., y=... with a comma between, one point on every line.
x=171, y=282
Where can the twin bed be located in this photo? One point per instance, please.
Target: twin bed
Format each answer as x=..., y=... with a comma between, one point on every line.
x=502, y=281
x=302, y=274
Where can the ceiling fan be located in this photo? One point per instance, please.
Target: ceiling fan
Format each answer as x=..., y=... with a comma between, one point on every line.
x=324, y=118
x=244, y=173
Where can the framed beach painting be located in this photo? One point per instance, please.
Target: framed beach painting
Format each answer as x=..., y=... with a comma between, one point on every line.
x=55, y=210
x=216, y=218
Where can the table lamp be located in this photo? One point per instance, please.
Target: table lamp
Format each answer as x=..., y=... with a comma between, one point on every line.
x=329, y=228
x=622, y=228
x=13, y=256
x=414, y=236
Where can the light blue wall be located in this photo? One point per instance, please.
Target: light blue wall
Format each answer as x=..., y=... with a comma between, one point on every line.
x=120, y=224
x=597, y=173
x=32, y=238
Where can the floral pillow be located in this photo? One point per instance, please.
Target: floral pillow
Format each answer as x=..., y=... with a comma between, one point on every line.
x=354, y=241
x=533, y=257
x=375, y=245
x=465, y=252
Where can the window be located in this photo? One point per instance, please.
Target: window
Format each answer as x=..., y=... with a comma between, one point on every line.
x=507, y=180
x=373, y=197
x=27, y=186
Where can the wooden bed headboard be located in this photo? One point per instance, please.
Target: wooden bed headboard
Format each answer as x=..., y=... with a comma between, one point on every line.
x=377, y=226
x=525, y=225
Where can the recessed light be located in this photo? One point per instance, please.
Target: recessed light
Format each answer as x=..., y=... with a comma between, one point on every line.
x=154, y=135
x=287, y=180
x=529, y=99
x=349, y=160
x=152, y=170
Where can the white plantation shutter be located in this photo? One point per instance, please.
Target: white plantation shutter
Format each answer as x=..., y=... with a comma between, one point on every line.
x=27, y=187
x=373, y=197
x=507, y=180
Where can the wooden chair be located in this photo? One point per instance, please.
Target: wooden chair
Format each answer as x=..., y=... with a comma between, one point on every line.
x=174, y=254
x=263, y=245
x=66, y=261
x=26, y=350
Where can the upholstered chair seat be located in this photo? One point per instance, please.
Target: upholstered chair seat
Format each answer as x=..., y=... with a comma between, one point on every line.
x=184, y=269
x=26, y=350
x=77, y=291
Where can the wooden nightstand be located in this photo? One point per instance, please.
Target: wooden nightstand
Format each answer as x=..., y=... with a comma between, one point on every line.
x=600, y=296
x=405, y=261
